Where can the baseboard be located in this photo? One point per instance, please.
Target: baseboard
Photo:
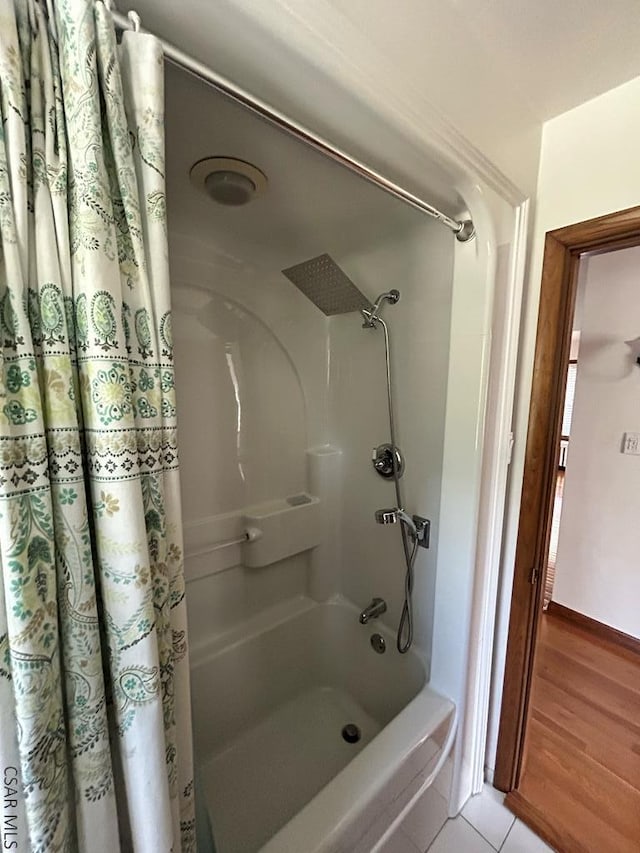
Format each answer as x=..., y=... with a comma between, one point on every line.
x=536, y=821
x=598, y=629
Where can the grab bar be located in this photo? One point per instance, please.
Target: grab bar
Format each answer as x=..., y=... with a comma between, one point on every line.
x=250, y=535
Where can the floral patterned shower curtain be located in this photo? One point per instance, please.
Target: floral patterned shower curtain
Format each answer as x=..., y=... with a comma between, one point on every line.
x=95, y=738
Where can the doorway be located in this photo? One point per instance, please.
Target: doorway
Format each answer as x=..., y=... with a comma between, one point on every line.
x=569, y=743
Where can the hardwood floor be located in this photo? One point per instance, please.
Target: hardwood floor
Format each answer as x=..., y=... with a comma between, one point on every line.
x=582, y=756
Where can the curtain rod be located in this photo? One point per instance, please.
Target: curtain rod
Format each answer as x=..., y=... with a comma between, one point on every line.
x=463, y=229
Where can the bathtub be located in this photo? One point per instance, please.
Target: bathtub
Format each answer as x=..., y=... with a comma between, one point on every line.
x=270, y=703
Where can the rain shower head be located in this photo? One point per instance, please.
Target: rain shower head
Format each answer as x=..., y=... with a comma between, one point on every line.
x=327, y=286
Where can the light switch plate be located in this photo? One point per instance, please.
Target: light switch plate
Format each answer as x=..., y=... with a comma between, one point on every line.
x=631, y=443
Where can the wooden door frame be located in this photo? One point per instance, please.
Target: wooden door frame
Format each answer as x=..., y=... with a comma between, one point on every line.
x=562, y=250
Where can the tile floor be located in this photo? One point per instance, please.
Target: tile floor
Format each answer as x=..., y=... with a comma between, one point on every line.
x=484, y=826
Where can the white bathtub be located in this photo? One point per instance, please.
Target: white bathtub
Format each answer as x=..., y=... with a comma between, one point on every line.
x=269, y=706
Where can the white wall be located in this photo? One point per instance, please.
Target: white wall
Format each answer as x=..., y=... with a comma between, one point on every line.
x=240, y=395
x=251, y=352
x=596, y=565
x=420, y=264
x=258, y=366
x=251, y=363
x=589, y=167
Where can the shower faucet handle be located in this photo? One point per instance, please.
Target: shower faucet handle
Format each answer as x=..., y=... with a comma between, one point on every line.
x=382, y=459
x=380, y=463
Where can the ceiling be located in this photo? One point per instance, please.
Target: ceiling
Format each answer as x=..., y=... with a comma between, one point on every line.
x=494, y=69
x=556, y=53
x=559, y=53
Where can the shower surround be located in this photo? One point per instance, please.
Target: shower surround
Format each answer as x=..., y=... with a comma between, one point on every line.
x=280, y=407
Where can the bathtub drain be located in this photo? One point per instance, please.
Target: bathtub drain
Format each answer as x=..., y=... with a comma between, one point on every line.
x=351, y=733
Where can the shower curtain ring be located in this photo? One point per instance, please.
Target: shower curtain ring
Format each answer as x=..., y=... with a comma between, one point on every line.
x=136, y=23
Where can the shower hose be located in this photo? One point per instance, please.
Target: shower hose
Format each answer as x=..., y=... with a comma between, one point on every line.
x=404, y=637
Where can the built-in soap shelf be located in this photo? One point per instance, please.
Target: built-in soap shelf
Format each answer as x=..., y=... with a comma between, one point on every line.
x=280, y=528
x=255, y=536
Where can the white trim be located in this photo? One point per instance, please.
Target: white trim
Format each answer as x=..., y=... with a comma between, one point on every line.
x=468, y=372
x=493, y=499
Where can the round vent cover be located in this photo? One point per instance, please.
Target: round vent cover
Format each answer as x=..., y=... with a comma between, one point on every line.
x=228, y=181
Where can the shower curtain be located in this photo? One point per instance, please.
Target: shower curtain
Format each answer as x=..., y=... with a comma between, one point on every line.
x=95, y=738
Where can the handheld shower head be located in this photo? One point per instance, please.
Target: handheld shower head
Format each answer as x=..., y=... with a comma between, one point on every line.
x=391, y=296
x=387, y=516
x=371, y=316
x=393, y=515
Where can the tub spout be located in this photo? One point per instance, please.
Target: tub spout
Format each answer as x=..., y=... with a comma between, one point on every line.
x=377, y=607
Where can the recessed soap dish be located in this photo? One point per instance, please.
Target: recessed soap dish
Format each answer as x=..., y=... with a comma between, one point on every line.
x=298, y=500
